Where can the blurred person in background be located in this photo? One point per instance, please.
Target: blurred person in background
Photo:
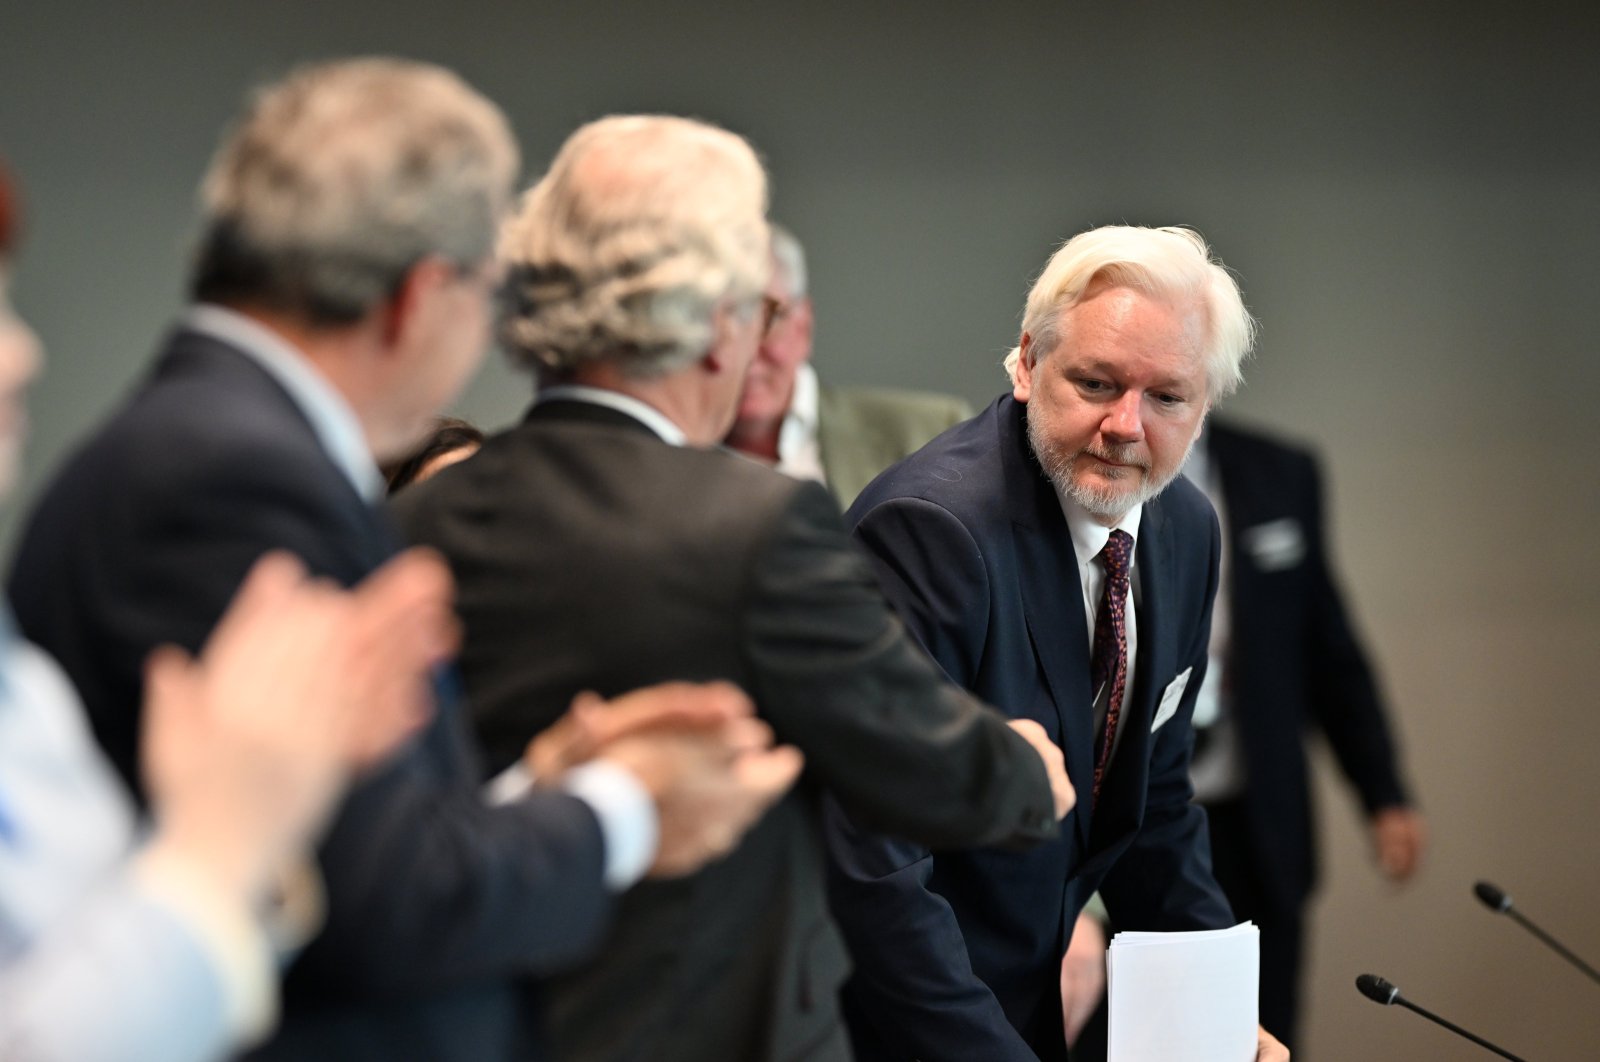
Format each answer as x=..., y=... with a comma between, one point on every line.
x=122, y=940
x=1286, y=664
x=839, y=436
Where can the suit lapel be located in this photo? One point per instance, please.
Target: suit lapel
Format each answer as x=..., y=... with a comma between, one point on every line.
x=1052, y=601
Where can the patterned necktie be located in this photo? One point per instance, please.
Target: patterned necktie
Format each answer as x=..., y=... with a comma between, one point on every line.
x=1108, y=670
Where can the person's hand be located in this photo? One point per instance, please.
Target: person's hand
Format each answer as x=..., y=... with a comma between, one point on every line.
x=1083, y=975
x=592, y=723
x=1055, y=766
x=247, y=749
x=1399, y=835
x=1268, y=1049
x=703, y=757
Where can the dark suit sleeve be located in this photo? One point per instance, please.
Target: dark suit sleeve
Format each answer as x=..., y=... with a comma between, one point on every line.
x=1340, y=684
x=914, y=983
x=427, y=888
x=904, y=751
x=1163, y=881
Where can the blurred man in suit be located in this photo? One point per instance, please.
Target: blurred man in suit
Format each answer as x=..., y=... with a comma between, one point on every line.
x=160, y=932
x=342, y=296
x=1285, y=661
x=1048, y=557
x=839, y=436
x=609, y=540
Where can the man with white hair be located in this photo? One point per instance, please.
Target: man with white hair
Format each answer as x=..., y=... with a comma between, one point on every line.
x=1049, y=559
x=609, y=540
x=840, y=436
x=342, y=296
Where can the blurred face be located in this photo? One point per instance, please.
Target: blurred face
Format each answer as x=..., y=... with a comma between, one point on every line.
x=19, y=361
x=446, y=335
x=739, y=332
x=785, y=346
x=1115, y=407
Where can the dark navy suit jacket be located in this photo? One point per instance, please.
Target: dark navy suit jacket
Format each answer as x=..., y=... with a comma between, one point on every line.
x=435, y=903
x=958, y=954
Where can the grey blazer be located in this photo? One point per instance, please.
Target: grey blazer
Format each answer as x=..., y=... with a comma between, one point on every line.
x=862, y=431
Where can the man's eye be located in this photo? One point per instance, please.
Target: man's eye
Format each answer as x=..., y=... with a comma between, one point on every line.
x=1093, y=386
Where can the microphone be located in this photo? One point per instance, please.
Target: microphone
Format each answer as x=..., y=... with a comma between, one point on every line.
x=1378, y=990
x=1497, y=901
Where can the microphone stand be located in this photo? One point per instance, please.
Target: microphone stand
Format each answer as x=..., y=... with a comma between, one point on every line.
x=1401, y=1001
x=1554, y=944
x=1496, y=900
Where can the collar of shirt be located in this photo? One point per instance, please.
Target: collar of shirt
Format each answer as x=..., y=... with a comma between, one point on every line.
x=1090, y=537
x=646, y=414
x=800, y=422
x=799, y=447
x=335, y=423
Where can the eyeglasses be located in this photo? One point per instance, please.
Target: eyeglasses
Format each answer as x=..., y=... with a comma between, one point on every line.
x=772, y=312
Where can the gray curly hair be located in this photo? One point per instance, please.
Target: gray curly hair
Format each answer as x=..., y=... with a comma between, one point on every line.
x=623, y=250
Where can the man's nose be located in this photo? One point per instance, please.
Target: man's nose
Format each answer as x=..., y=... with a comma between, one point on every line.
x=1122, y=423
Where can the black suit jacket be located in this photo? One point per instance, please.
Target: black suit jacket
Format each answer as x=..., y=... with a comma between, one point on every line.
x=958, y=954
x=435, y=903
x=592, y=555
x=1295, y=661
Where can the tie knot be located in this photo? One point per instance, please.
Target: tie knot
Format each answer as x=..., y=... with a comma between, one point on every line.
x=1117, y=552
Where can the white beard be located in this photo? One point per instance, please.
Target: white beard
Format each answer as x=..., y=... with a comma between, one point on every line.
x=1102, y=501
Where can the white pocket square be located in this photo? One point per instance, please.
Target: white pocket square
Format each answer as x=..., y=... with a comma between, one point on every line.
x=1170, y=698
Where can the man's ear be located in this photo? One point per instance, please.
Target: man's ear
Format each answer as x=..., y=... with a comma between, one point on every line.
x=412, y=298
x=1022, y=383
x=725, y=322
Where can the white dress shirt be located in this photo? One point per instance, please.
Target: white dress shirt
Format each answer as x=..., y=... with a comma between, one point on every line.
x=799, y=445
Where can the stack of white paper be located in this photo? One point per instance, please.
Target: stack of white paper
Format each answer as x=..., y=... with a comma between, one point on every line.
x=1184, y=997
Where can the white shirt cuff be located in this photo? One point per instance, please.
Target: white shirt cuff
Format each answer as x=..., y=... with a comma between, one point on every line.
x=511, y=784
x=627, y=818
x=629, y=826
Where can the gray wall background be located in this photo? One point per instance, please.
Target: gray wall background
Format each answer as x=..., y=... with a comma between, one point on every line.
x=1409, y=192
